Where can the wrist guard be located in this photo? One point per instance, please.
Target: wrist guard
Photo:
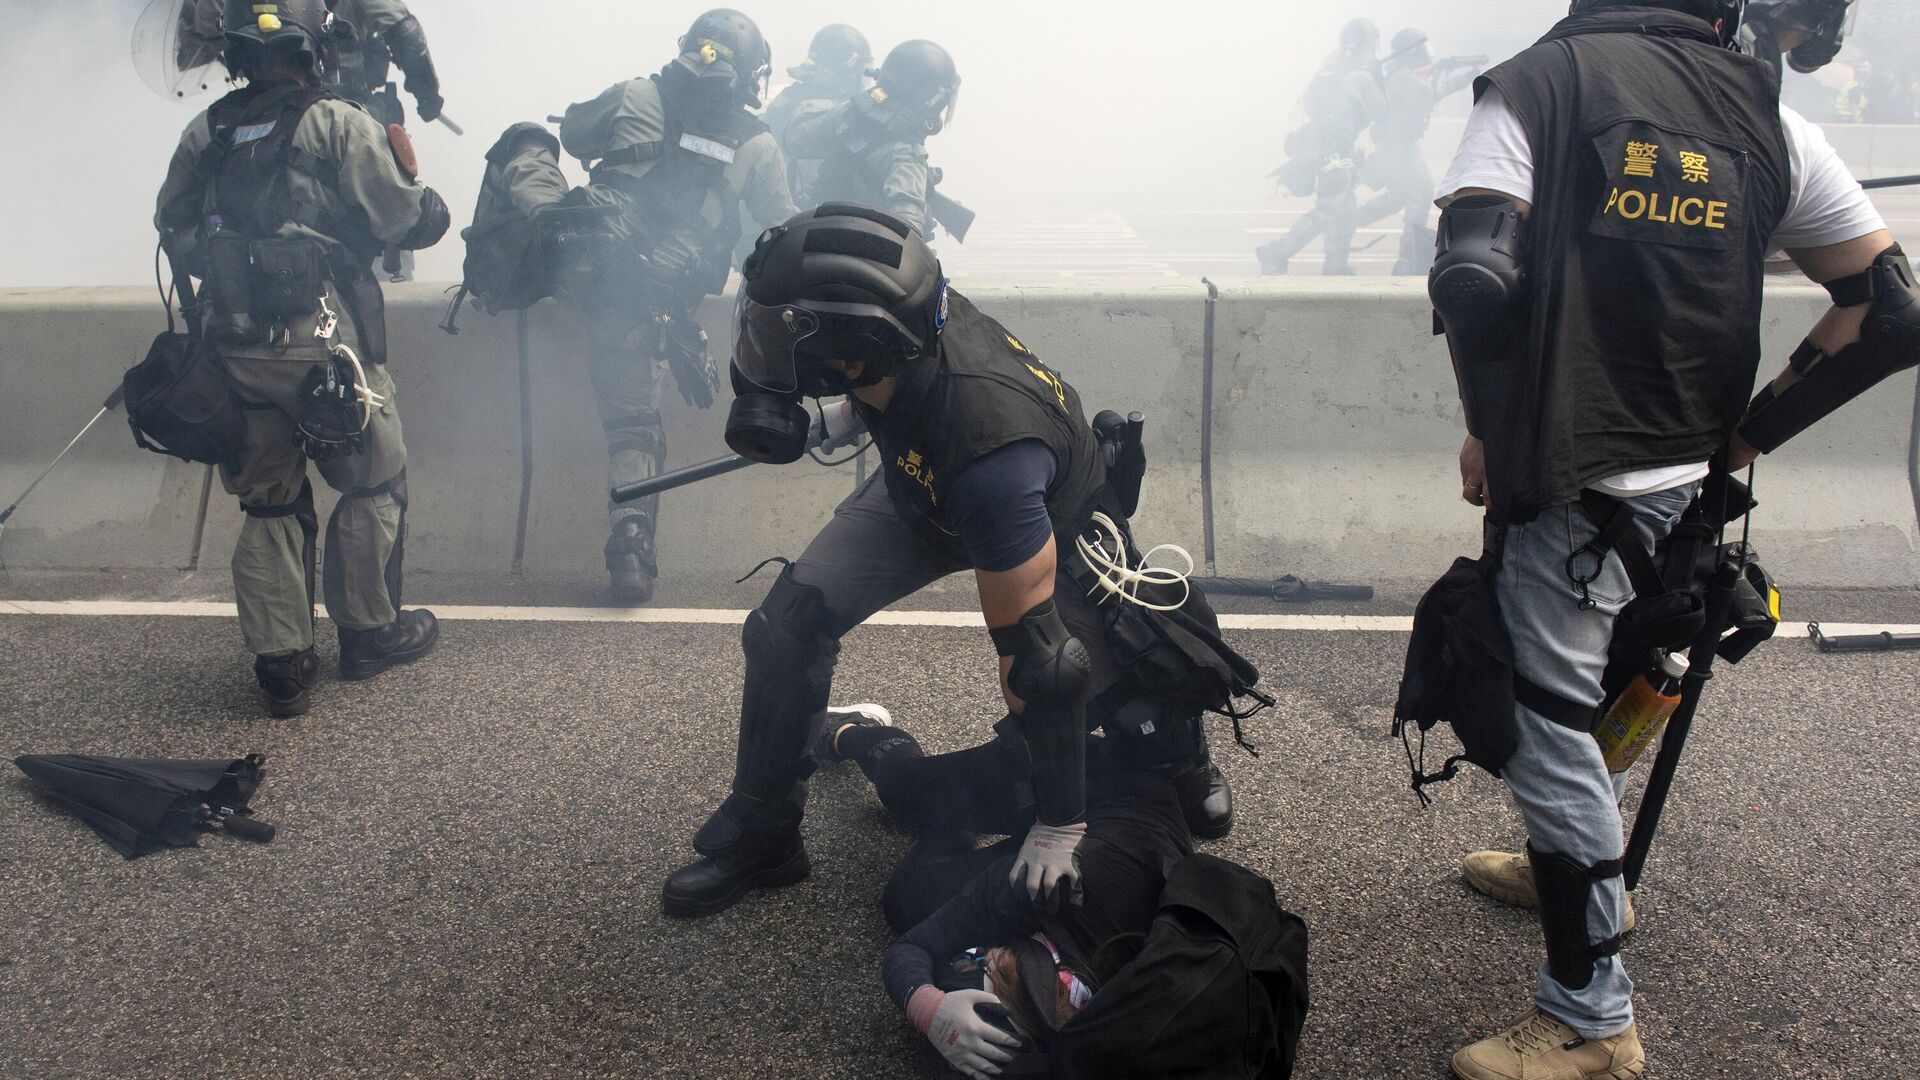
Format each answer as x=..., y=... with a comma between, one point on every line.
x=1889, y=343
x=1051, y=670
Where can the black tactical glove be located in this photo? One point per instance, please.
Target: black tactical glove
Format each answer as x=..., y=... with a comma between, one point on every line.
x=685, y=346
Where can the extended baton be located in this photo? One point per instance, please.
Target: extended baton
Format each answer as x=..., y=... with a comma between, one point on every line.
x=451, y=126
x=1890, y=182
x=1283, y=590
x=720, y=466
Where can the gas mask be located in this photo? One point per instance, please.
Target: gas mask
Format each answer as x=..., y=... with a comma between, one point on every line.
x=780, y=358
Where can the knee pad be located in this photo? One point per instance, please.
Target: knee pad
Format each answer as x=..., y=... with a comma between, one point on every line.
x=1565, y=888
x=789, y=623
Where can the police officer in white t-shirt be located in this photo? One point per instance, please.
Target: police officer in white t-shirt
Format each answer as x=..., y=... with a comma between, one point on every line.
x=1599, y=270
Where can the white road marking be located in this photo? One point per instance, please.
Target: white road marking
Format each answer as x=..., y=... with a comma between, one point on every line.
x=1372, y=624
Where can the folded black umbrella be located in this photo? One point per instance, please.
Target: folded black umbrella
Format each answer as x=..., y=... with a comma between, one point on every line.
x=141, y=805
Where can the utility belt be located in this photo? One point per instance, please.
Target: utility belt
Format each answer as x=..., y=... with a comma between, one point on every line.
x=257, y=287
x=1460, y=668
x=1163, y=635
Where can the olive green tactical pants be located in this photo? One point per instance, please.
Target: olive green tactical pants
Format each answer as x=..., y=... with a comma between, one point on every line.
x=629, y=378
x=273, y=562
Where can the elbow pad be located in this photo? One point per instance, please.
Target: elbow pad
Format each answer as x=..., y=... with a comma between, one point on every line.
x=1889, y=343
x=1478, y=280
x=434, y=221
x=1051, y=673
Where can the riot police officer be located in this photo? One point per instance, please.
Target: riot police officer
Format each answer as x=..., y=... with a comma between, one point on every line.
x=873, y=149
x=1605, y=223
x=278, y=197
x=371, y=38
x=1414, y=84
x=679, y=156
x=989, y=465
x=835, y=72
x=1323, y=156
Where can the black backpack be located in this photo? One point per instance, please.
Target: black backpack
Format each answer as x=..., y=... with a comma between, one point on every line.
x=1218, y=990
x=508, y=264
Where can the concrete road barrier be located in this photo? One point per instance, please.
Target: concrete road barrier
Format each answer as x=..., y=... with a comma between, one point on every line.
x=1336, y=428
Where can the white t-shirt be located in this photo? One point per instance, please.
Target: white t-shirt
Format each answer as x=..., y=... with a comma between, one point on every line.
x=1825, y=205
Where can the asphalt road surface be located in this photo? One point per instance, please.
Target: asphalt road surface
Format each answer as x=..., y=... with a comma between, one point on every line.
x=466, y=878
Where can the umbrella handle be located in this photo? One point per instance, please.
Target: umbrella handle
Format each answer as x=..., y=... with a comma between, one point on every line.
x=248, y=828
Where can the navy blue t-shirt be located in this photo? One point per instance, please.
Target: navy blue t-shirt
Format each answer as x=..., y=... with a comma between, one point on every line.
x=998, y=505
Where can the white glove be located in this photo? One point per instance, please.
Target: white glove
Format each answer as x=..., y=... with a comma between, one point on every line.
x=1048, y=866
x=968, y=1041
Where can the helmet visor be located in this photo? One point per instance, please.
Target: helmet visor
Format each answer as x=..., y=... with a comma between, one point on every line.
x=764, y=351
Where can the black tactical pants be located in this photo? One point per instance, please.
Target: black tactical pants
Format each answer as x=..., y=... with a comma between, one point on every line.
x=866, y=558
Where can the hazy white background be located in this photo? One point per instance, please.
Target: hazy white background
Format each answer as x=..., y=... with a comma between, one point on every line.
x=1065, y=102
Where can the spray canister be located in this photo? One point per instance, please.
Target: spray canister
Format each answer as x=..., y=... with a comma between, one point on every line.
x=1640, y=714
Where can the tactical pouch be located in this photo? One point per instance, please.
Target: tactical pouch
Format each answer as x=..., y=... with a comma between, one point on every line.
x=286, y=278
x=180, y=402
x=229, y=276
x=1178, y=657
x=1459, y=669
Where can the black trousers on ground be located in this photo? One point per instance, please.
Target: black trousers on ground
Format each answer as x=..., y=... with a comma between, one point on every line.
x=866, y=558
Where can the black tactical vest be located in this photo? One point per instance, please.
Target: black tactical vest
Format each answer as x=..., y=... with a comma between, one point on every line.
x=1660, y=175
x=251, y=156
x=690, y=162
x=984, y=391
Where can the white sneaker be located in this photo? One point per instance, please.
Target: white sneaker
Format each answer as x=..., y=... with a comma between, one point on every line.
x=841, y=717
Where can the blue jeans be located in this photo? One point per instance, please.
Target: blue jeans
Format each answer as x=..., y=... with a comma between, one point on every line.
x=1557, y=777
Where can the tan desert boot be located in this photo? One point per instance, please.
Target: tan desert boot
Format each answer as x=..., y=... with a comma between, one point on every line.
x=1540, y=1047
x=1508, y=878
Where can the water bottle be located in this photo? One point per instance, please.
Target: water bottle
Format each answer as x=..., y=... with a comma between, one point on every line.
x=1640, y=714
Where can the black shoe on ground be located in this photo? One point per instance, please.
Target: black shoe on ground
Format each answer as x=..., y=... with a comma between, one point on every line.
x=865, y=714
x=286, y=679
x=630, y=562
x=366, y=653
x=1207, y=802
x=713, y=883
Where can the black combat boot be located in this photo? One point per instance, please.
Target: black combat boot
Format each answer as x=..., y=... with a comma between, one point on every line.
x=366, y=653
x=1206, y=800
x=747, y=844
x=285, y=679
x=631, y=568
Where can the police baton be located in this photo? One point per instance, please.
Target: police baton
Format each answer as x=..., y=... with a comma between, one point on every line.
x=1700, y=658
x=721, y=466
x=1890, y=182
x=451, y=126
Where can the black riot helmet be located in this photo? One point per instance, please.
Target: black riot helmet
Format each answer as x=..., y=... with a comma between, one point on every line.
x=1360, y=38
x=842, y=282
x=836, y=50
x=254, y=28
x=921, y=75
x=724, y=44
x=1407, y=51
x=1724, y=14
